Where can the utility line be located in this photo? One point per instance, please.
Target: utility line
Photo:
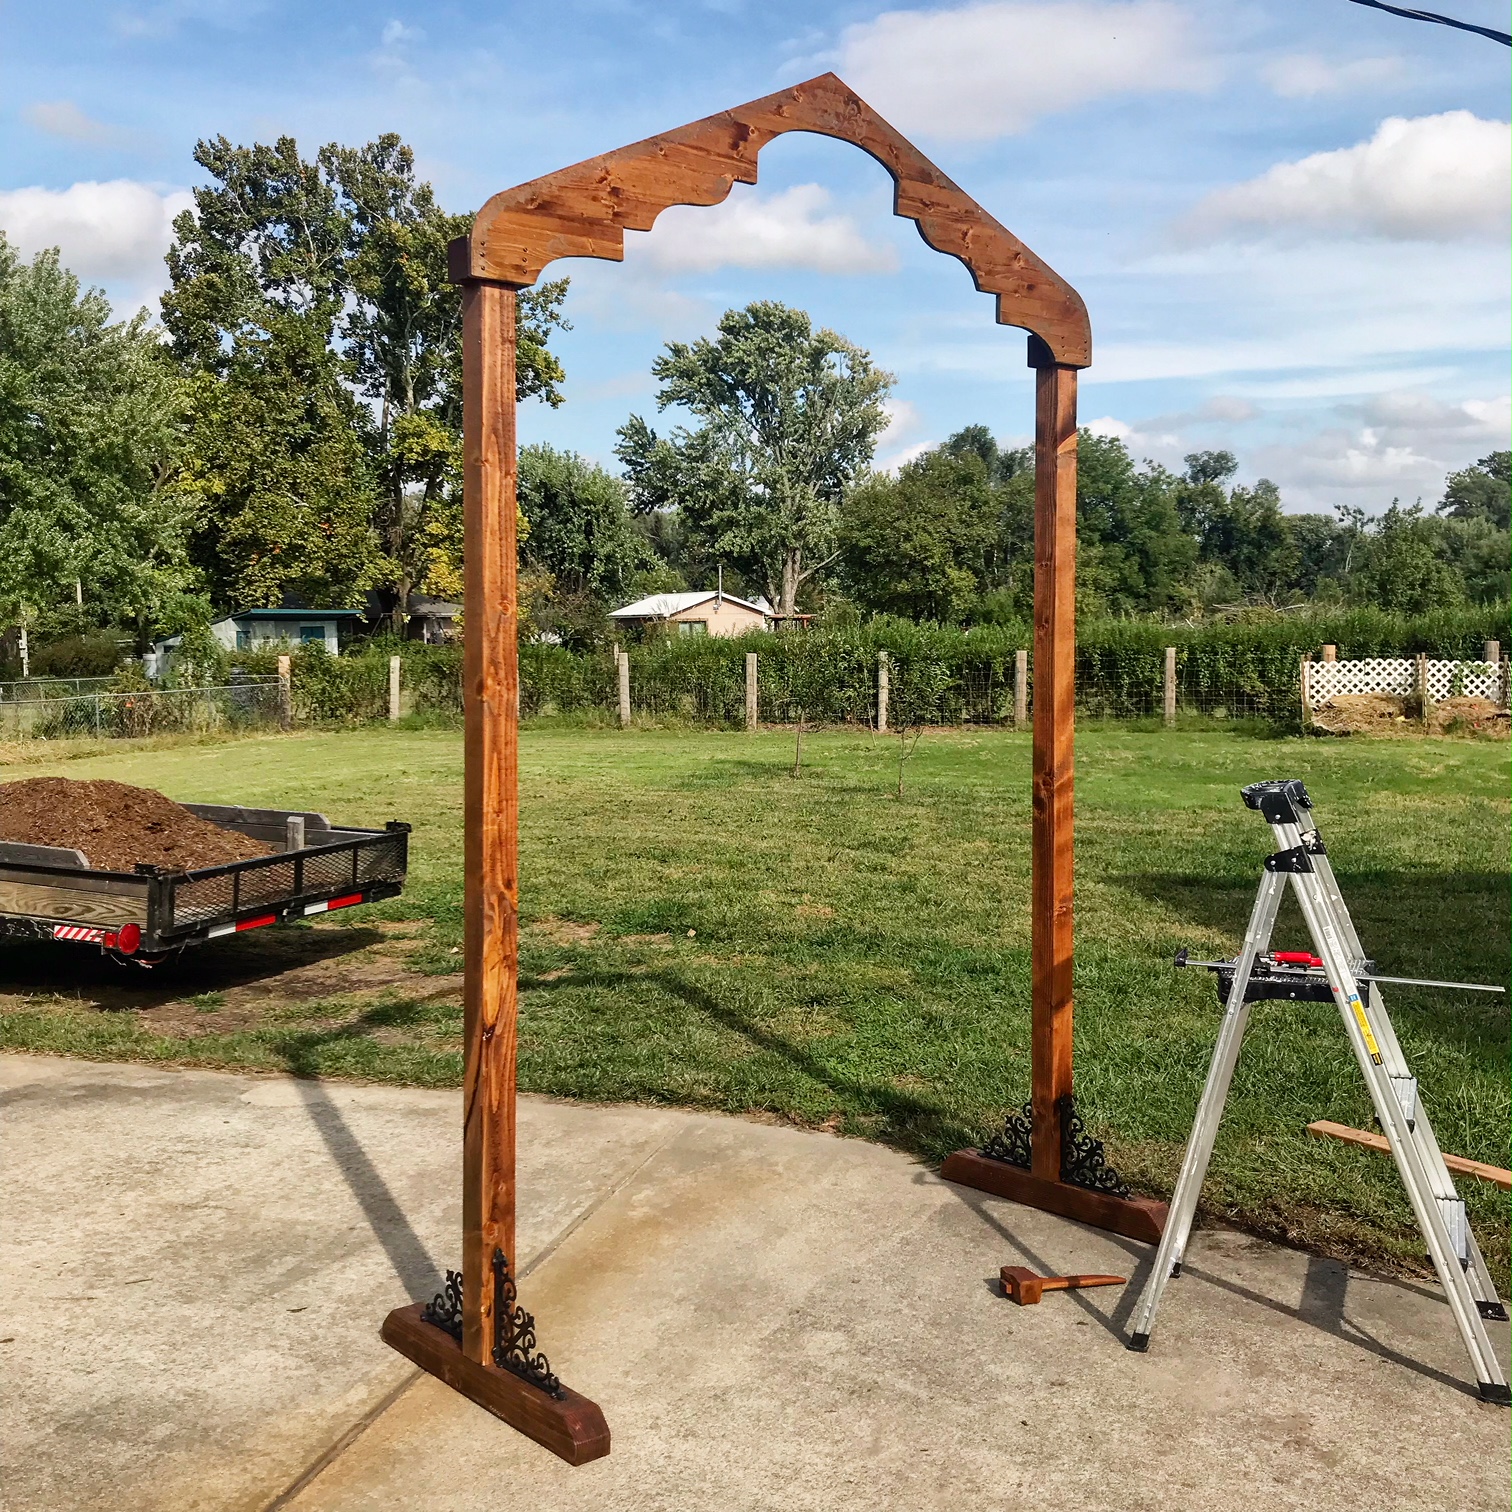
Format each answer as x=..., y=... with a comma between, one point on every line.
x=1504, y=38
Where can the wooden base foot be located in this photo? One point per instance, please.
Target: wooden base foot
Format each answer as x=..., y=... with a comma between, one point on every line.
x=571, y=1427
x=1135, y=1217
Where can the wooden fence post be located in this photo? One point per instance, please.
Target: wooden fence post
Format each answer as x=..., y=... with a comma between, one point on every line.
x=1170, y=686
x=285, y=694
x=1305, y=680
x=883, y=687
x=1330, y=653
x=1502, y=689
x=624, y=690
x=393, y=689
x=1493, y=653
x=751, y=704
x=1420, y=679
x=1020, y=689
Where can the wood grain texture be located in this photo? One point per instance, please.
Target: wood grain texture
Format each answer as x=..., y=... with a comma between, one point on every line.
x=585, y=210
x=76, y=905
x=1324, y=1129
x=1139, y=1218
x=572, y=1428
x=1051, y=795
x=491, y=803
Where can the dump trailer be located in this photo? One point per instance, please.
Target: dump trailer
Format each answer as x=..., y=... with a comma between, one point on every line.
x=145, y=915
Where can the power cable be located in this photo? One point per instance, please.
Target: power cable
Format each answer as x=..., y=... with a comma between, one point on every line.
x=1505, y=38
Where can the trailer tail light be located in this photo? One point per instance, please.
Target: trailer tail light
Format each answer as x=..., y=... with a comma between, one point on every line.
x=128, y=939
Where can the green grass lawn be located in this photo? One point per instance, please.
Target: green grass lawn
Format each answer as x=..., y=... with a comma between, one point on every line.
x=703, y=929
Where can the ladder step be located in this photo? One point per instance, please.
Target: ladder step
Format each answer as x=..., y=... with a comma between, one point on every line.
x=1323, y=1129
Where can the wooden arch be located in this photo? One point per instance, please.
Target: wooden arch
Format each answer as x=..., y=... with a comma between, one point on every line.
x=476, y=1338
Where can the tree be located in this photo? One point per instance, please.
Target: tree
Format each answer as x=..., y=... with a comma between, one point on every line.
x=294, y=284
x=1480, y=492
x=89, y=429
x=1403, y=568
x=402, y=347
x=1132, y=552
x=919, y=545
x=787, y=420
x=581, y=542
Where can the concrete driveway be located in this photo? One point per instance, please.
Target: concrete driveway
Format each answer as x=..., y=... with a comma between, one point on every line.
x=195, y=1265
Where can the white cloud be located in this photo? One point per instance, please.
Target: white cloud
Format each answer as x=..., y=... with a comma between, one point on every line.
x=792, y=229
x=396, y=33
x=987, y=70
x=62, y=118
x=115, y=232
x=1302, y=76
x=1435, y=178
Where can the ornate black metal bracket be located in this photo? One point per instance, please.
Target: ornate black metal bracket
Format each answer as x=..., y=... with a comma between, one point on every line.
x=1012, y=1146
x=444, y=1310
x=514, y=1347
x=1082, y=1161
x=515, y=1336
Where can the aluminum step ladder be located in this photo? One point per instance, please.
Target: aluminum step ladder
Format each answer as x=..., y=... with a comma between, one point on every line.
x=1343, y=974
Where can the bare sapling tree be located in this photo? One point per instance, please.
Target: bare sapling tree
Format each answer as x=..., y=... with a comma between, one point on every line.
x=916, y=697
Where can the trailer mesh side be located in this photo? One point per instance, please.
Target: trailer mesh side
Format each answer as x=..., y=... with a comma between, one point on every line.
x=224, y=892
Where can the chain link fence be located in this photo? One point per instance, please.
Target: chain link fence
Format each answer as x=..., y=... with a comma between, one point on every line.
x=104, y=713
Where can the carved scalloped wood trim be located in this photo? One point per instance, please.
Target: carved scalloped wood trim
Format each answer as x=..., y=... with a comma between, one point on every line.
x=585, y=210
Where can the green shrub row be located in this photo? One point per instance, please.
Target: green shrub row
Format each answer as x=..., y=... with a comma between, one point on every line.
x=1244, y=669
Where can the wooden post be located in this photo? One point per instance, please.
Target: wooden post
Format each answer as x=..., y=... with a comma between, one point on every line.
x=1502, y=688
x=1054, y=713
x=1330, y=653
x=285, y=694
x=1304, y=679
x=624, y=690
x=1048, y=1183
x=566, y=1423
x=1020, y=689
x=884, y=690
x=1170, y=686
x=491, y=804
x=393, y=689
x=1492, y=657
x=752, y=706
x=1420, y=687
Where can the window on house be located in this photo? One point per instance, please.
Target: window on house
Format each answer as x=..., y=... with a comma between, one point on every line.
x=312, y=633
x=692, y=627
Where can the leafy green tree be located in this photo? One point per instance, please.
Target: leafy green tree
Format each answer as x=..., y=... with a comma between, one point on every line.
x=1480, y=492
x=1403, y=567
x=1132, y=552
x=89, y=429
x=786, y=420
x=294, y=284
x=581, y=541
x=919, y=545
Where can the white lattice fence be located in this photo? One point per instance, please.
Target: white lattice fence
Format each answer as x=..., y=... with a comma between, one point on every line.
x=1398, y=675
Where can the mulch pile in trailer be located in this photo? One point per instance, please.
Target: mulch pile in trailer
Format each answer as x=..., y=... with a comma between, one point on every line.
x=1389, y=714
x=117, y=826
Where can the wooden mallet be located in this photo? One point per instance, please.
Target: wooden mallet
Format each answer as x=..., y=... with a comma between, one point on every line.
x=1021, y=1285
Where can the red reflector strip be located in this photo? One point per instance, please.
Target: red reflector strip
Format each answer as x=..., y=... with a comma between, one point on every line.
x=78, y=932
x=345, y=902
x=256, y=923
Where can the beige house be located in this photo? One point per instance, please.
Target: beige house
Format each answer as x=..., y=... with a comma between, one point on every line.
x=698, y=613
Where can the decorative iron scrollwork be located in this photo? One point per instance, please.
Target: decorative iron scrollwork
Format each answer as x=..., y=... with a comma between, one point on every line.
x=515, y=1336
x=444, y=1310
x=1083, y=1163
x=1013, y=1145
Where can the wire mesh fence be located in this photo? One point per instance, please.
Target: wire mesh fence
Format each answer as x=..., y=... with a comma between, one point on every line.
x=105, y=713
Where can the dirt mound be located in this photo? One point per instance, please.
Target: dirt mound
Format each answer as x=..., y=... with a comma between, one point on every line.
x=117, y=826
x=1391, y=714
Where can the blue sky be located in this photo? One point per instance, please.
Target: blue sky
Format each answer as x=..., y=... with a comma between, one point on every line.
x=1289, y=220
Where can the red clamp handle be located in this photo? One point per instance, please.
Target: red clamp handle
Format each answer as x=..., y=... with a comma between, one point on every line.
x=1297, y=958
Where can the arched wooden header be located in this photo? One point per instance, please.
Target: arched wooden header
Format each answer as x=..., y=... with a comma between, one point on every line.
x=585, y=210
